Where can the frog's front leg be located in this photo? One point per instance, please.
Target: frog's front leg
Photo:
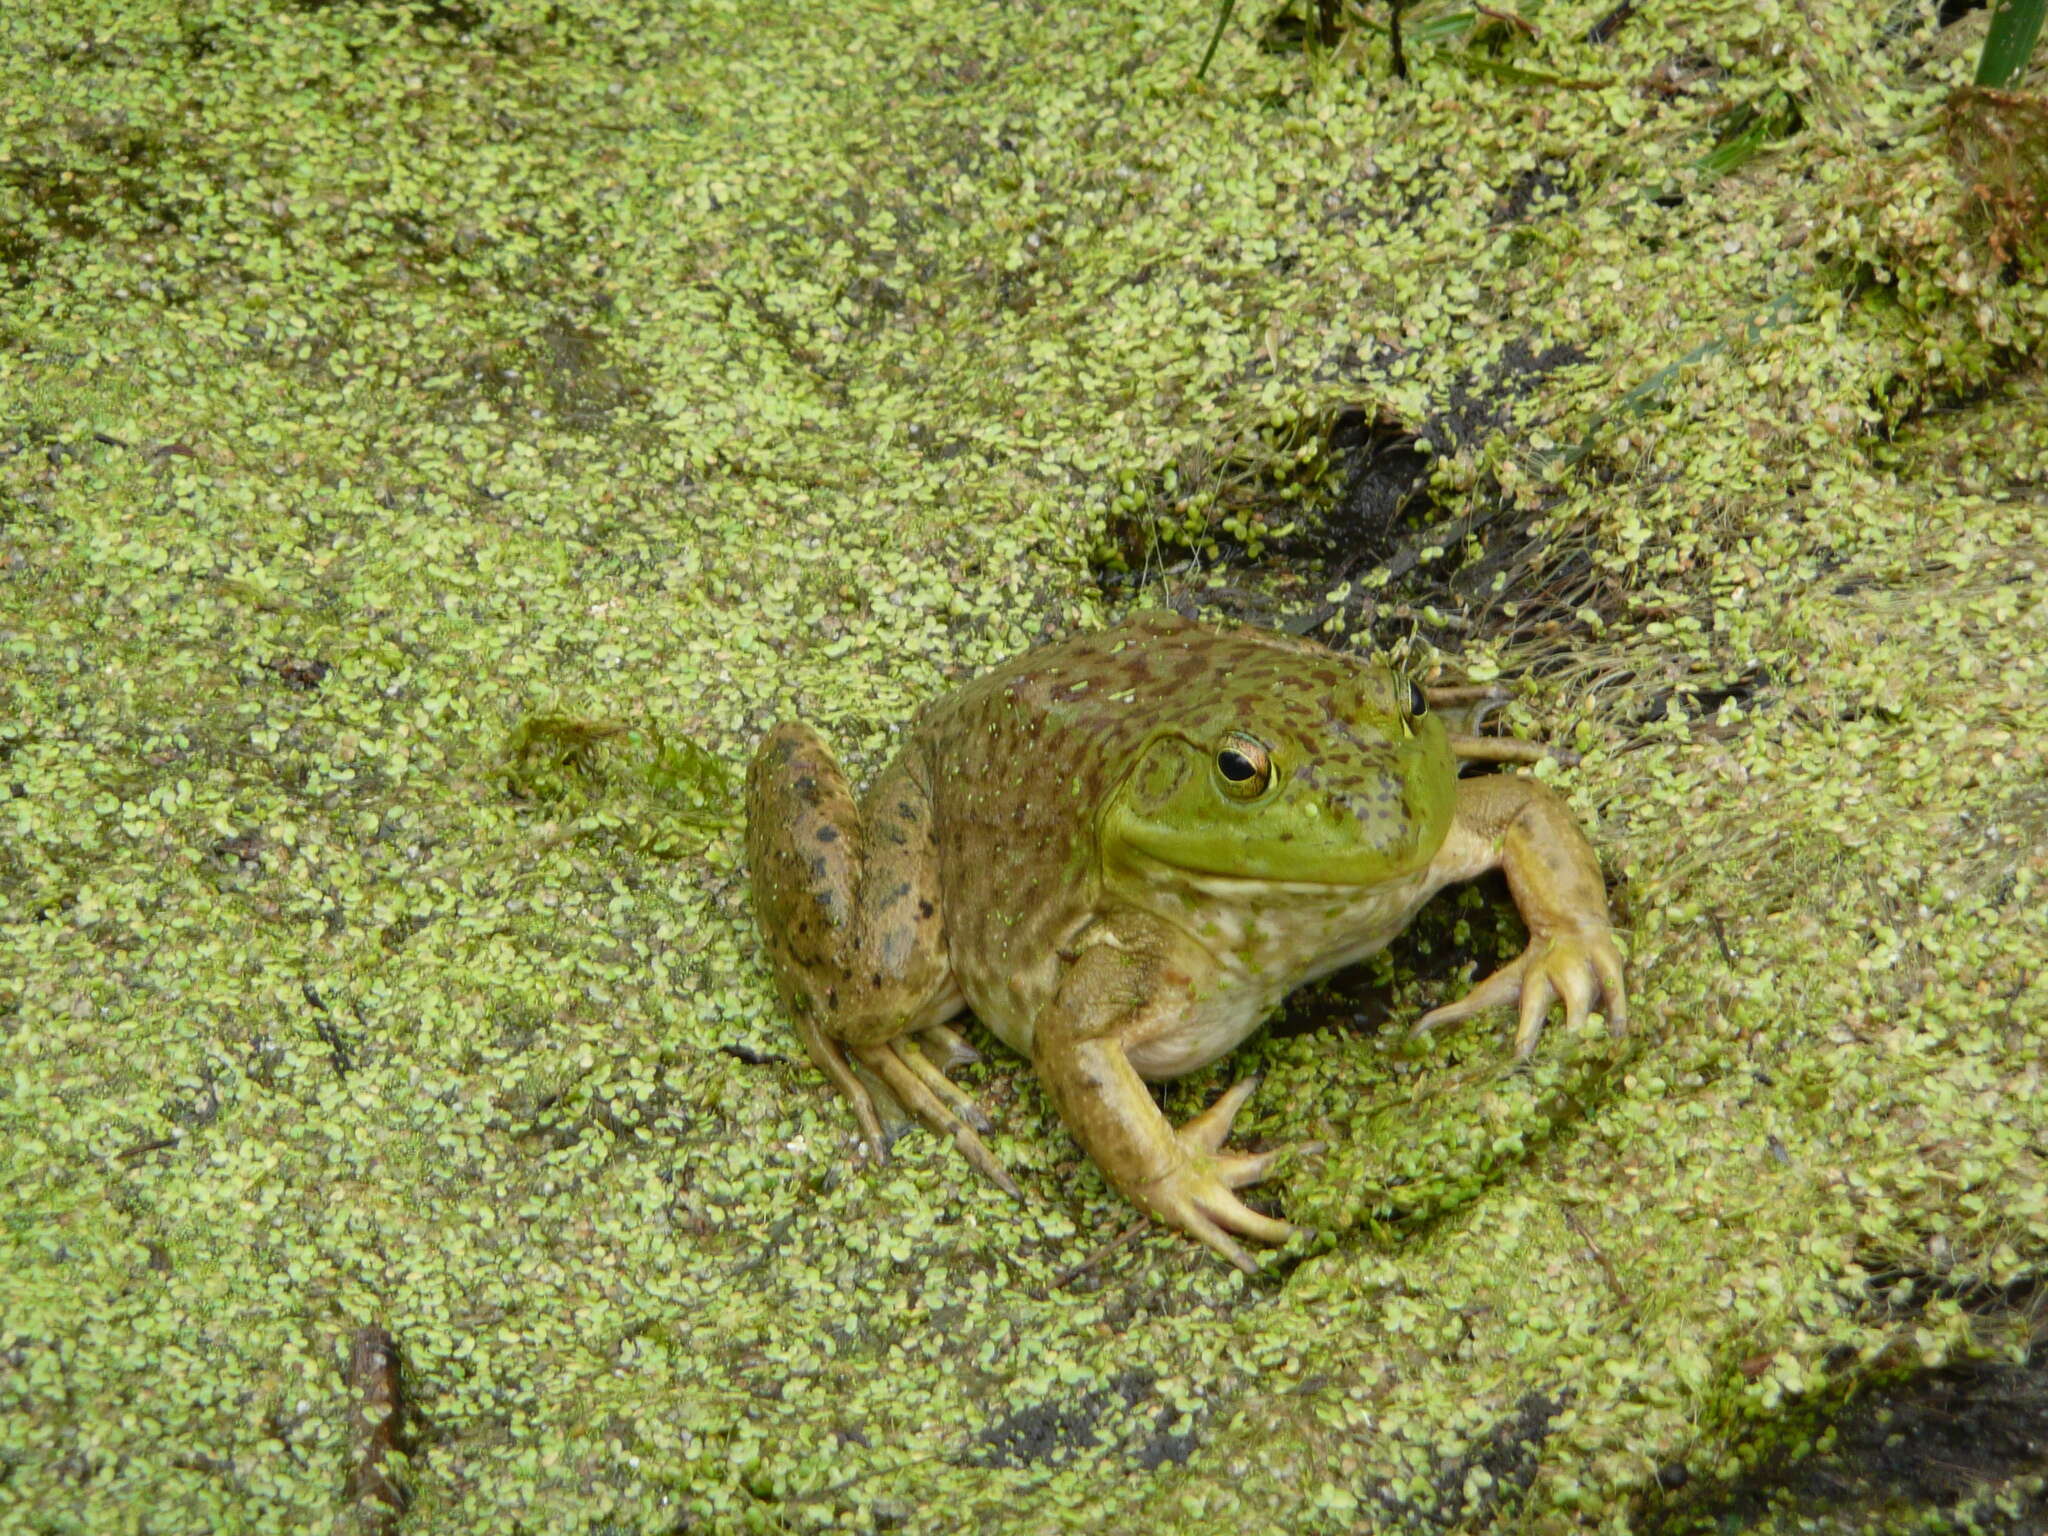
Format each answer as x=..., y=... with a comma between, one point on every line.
x=847, y=899
x=1128, y=983
x=1518, y=825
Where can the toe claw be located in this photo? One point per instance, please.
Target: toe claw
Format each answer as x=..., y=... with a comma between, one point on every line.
x=1227, y=1210
x=946, y=1048
x=1538, y=993
x=1214, y=1237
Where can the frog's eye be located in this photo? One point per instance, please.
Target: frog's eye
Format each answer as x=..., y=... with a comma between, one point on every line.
x=1418, y=701
x=1244, y=767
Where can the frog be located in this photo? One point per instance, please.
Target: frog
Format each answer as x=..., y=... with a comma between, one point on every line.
x=1120, y=851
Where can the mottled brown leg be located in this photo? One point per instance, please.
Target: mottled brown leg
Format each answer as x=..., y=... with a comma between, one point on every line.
x=848, y=903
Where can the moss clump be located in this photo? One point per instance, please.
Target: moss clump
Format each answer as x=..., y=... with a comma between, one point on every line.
x=658, y=795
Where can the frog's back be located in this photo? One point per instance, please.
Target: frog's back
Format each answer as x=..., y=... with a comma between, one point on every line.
x=1111, y=687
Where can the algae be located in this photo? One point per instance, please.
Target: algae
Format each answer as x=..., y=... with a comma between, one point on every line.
x=373, y=375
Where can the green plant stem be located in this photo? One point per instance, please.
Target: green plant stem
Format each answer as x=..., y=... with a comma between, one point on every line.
x=2015, y=28
x=1222, y=21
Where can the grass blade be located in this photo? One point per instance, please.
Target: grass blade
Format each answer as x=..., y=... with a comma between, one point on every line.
x=1222, y=21
x=2015, y=27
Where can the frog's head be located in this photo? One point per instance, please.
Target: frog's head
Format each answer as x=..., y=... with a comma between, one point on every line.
x=1346, y=786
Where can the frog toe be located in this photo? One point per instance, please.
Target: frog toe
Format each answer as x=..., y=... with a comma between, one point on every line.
x=1206, y=1132
x=1197, y=1195
x=1576, y=969
x=1199, y=1202
x=1238, y=1169
x=945, y=1048
x=1539, y=991
x=1219, y=1241
x=830, y=1057
x=918, y=1057
x=916, y=1083
x=1253, y=1224
x=1498, y=990
x=1204, y=1136
x=1613, y=990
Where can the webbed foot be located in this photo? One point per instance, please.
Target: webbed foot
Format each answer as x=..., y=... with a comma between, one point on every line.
x=905, y=1078
x=1196, y=1194
x=1576, y=968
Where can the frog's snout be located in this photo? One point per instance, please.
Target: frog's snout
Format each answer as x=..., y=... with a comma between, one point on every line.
x=1381, y=803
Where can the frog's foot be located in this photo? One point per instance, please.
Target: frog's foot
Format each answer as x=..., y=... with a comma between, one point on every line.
x=1575, y=967
x=1196, y=1194
x=830, y=1057
x=925, y=1091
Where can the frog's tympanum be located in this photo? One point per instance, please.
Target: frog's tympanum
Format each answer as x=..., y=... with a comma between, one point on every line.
x=1121, y=851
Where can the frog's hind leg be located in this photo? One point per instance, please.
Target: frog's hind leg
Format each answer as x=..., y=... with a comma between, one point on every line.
x=831, y=1060
x=848, y=901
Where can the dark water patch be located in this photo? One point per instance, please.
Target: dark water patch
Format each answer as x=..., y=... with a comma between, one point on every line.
x=64, y=196
x=1698, y=699
x=1317, y=504
x=1470, y=931
x=586, y=382
x=427, y=16
x=1535, y=192
x=565, y=372
x=1302, y=24
x=1510, y=1455
x=1385, y=515
x=1386, y=482
x=98, y=183
x=1964, y=1448
x=1125, y=1413
x=19, y=253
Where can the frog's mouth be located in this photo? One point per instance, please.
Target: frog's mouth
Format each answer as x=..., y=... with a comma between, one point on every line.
x=1285, y=866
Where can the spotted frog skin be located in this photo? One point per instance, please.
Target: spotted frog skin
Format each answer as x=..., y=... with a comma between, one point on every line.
x=1121, y=851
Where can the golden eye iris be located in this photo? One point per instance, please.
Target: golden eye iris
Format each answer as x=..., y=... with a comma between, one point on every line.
x=1243, y=767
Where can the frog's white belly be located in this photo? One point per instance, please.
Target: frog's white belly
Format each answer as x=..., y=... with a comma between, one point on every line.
x=1253, y=942
x=1263, y=941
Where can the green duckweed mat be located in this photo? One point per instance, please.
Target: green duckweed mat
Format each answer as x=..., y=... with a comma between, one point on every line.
x=435, y=436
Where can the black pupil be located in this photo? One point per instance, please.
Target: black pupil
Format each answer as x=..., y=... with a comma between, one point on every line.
x=1417, y=704
x=1235, y=765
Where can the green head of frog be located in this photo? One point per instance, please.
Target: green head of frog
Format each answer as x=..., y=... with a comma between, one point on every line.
x=1348, y=787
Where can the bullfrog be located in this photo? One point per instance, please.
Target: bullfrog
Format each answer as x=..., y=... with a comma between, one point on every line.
x=1120, y=851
